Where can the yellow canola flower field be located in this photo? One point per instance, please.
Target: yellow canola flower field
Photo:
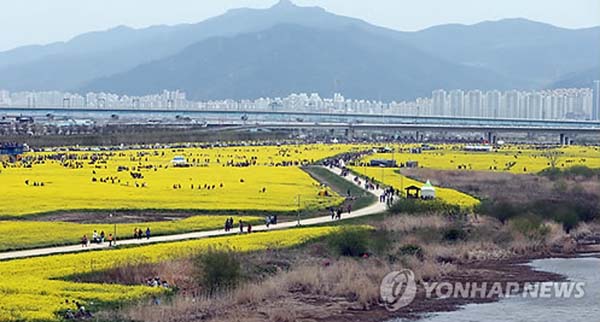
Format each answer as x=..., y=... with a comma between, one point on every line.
x=390, y=177
x=516, y=159
x=230, y=178
x=34, y=289
x=29, y=234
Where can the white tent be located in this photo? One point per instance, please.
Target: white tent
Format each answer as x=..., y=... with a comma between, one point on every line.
x=428, y=191
x=179, y=161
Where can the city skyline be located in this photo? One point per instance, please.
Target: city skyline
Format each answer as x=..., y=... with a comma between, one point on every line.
x=557, y=104
x=54, y=26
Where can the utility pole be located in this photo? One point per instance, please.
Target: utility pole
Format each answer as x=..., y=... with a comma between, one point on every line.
x=298, y=212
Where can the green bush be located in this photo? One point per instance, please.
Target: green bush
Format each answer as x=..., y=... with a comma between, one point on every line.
x=501, y=210
x=453, y=234
x=350, y=241
x=571, y=172
x=531, y=226
x=568, y=218
x=217, y=270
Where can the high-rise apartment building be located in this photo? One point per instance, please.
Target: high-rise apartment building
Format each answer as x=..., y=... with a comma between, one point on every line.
x=457, y=103
x=439, y=102
x=596, y=104
x=474, y=104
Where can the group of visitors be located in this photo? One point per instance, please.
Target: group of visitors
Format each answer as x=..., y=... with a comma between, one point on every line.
x=178, y=186
x=79, y=313
x=97, y=238
x=336, y=213
x=388, y=196
x=140, y=234
x=34, y=183
x=229, y=224
x=157, y=282
x=242, y=226
x=271, y=220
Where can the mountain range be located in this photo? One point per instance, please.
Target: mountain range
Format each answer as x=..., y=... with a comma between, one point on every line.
x=251, y=53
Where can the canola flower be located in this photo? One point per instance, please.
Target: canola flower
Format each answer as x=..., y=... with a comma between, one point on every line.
x=231, y=178
x=390, y=177
x=35, y=289
x=518, y=159
x=31, y=234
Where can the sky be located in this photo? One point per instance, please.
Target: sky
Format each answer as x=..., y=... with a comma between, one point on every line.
x=25, y=22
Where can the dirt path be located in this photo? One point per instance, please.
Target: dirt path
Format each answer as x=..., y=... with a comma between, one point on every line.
x=373, y=209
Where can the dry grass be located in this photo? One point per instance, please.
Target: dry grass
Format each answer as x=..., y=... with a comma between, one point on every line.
x=407, y=224
x=310, y=282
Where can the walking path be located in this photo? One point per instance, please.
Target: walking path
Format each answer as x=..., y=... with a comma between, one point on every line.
x=375, y=208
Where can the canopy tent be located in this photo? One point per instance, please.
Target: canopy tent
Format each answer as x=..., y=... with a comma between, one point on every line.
x=179, y=161
x=428, y=191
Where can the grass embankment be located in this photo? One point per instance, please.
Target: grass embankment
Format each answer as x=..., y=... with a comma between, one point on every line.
x=360, y=198
x=338, y=277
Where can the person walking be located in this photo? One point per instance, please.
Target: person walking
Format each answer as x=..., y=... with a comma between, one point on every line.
x=110, y=240
x=148, y=232
x=84, y=241
x=241, y=227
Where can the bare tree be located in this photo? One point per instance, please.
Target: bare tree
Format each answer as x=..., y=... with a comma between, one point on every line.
x=552, y=157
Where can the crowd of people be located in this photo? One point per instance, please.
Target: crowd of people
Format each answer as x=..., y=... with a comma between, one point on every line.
x=102, y=237
x=388, y=196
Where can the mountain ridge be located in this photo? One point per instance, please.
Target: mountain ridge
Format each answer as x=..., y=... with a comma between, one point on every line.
x=520, y=53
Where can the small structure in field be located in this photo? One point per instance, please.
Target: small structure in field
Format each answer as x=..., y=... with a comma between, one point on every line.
x=412, y=164
x=179, y=161
x=413, y=192
x=478, y=148
x=383, y=163
x=428, y=191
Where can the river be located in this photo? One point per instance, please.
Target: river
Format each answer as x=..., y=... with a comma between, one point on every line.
x=519, y=309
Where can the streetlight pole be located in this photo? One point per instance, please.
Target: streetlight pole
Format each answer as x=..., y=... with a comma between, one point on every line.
x=298, y=212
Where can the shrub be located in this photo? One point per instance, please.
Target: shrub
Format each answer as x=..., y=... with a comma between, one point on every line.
x=218, y=270
x=501, y=210
x=571, y=172
x=530, y=226
x=454, y=234
x=567, y=217
x=350, y=241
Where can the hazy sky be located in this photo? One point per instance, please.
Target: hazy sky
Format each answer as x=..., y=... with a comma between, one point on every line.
x=24, y=22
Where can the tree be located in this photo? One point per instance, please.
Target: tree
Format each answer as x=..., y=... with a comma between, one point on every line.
x=553, y=157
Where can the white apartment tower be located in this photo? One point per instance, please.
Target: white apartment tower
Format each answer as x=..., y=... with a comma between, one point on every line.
x=457, y=103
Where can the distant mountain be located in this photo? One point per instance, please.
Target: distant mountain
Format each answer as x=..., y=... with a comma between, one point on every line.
x=532, y=54
x=290, y=58
x=513, y=53
x=72, y=64
x=580, y=79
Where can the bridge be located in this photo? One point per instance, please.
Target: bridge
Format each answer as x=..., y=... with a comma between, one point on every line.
x=309, y=119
